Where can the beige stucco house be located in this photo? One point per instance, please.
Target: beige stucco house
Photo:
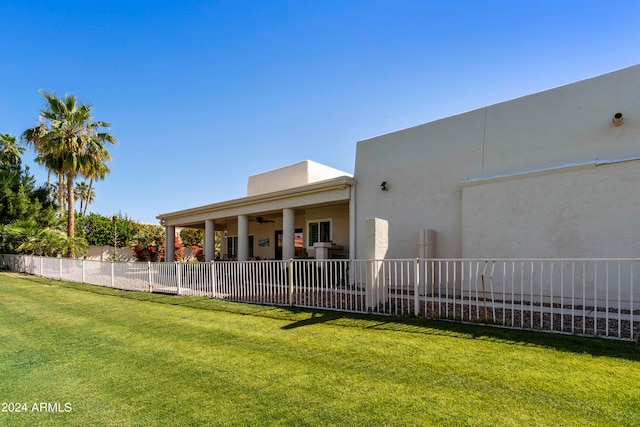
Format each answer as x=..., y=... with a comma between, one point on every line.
x=553, y=174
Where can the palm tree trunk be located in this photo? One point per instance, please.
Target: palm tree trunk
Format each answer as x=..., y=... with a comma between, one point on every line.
x=61, y=191
x=71, y=220
x=88, y=197
x=49, y=196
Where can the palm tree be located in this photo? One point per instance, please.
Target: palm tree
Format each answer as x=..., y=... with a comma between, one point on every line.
x=49, y=242
x=82, y=192
x=10, y=151
x=91, y=195
x=51, y=161
x=60, y=195
x=96, y=169
x=68, y=145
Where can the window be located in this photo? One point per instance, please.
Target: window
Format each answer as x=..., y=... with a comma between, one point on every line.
x=232, y=246
x=319, y=231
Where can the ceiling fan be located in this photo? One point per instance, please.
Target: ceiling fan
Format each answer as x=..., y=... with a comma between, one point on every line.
x=261, y=220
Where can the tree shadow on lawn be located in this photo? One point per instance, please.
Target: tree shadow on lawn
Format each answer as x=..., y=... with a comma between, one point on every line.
x=562, y=342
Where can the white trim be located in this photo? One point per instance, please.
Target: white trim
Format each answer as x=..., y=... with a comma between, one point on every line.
x=546, y=171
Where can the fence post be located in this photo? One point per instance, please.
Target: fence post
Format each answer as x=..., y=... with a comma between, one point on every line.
x=83, y=274
x=41, y=266
x=416, y=291
x=60, y=268
x=149, y=276
x=213, y=279
x=113, y=280
x=374, y=285
x=291, y=281
x=178, y=276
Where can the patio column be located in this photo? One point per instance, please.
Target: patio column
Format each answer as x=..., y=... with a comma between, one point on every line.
x=243, y=238
x=209, y=240
x=288, y=234
x=352, y=223
x=169, y=243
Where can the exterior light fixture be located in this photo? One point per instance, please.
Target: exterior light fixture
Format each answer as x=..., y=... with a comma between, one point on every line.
x=384, y=186
x=617, y=119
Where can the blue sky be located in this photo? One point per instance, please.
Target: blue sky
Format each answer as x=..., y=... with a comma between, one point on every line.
x=202, y=94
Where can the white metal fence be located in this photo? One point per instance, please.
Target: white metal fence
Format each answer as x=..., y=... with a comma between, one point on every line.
x=577, y=296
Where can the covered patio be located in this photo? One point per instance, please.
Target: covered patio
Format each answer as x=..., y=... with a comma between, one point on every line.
x=288, y=213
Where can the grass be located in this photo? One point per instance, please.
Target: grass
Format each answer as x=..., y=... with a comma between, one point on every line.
x=125, y=359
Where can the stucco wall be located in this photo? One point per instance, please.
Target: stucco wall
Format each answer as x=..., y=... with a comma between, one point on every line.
x=425, y=166
x=584, y=212
x=105, y=253
x=292, y=176
x=339, y=216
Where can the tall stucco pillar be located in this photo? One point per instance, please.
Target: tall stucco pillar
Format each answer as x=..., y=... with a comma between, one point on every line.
x=288, y=234
x=377, y=244
x=243, y=238
x=169, y=243
x=209, y=240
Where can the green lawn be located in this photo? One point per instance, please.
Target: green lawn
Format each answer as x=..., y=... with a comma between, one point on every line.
x=125, y=358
